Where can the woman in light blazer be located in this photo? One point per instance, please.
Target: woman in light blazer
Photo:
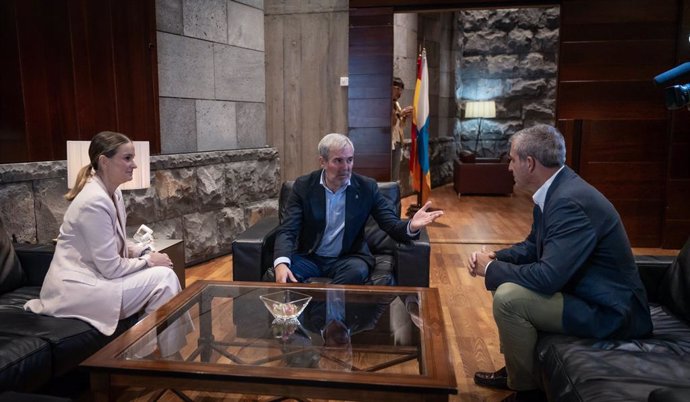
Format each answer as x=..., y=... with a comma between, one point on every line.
x=97, y=275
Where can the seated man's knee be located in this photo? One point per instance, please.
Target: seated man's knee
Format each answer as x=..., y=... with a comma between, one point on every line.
x=506, y=295
x=356, y=272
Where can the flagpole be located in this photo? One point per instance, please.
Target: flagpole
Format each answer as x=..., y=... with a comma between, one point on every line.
x=413, y=208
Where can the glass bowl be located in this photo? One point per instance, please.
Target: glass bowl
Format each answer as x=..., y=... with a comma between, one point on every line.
x=285, y=304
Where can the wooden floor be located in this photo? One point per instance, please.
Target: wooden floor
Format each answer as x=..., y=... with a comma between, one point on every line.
x=468, y=223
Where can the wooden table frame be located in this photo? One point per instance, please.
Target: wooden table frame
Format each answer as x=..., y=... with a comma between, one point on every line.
x=109, y=373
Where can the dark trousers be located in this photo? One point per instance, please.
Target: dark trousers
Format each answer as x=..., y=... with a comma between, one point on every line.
x=342, y=270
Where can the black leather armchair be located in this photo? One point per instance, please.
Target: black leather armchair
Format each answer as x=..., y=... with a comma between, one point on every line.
x=403, y=264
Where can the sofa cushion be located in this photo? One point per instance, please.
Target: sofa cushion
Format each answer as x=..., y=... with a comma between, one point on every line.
x=35, y=260
x=72, y=340
x=11, y=273
x=670, y=335
x=25, y=362
x=670, y=394
x=675, y=286
x=582, y=373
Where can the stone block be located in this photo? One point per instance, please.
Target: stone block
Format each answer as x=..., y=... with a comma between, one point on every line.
x=535, y=65
x=169, y=16
x=17, y=211
x=176, y=191
x=51, y=206
x=539, y=112
x=142, y=205
x=210, y=187
x=201, y=235
x=15, y=172
x=245, y=26
x=485, y=42
x=251, y=125
x=502, y=65
x=251, y=181
x=239, y=74
x=482, y=89
x=253, y=3
x=546, y=41
x=178, y=125
x=305, y=7
x=520, y=40
x=253, y=213
x=230, y=224
x=525, y=88
x=185, y=67
x=206, y=20
x=216, y=125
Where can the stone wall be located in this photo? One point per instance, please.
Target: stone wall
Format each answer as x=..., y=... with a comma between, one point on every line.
x=211, y=74
x=510, y=56
x=205, y=198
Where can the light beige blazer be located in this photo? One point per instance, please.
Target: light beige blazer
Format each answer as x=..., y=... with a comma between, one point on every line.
x=84, y=280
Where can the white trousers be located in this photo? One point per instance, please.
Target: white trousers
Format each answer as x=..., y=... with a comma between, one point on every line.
x=146, y=291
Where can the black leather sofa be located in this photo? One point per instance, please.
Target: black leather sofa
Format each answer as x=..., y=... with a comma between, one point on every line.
x=403, y=264
x=653, y=369
x=39, y=353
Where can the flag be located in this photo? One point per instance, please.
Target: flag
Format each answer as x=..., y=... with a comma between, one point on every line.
x=419, y=151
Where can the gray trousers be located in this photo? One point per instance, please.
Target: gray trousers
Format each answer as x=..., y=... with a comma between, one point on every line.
x=520, y=313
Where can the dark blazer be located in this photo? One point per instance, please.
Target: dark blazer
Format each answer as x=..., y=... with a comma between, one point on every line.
x=578, y=246
x=303, y=227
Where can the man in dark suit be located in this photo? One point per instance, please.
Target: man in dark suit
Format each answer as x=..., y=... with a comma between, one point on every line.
x=574, y=274
x=322, y=234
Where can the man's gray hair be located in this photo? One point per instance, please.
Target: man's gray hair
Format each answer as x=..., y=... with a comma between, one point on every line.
x=542, y=142
x=333, y=141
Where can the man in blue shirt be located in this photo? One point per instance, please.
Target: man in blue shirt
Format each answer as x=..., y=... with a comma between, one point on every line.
x=322, y=234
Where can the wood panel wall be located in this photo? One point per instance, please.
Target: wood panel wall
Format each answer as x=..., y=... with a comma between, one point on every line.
x=677, y=217
x=609, y=53
x=369, y=100
x=73, y=68
x=306, y=54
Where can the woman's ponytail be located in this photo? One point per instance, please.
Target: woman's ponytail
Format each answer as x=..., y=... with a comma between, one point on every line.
x=82, y=177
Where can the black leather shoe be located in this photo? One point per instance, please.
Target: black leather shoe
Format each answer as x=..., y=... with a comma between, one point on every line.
x=526, y=396
x=498, y=379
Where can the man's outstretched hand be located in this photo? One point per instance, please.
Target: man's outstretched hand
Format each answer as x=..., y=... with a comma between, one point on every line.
x=423, y=218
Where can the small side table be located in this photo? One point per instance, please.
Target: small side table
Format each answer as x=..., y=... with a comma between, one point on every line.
x=174, y=248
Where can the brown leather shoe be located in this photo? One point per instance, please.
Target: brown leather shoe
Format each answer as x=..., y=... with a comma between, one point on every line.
x=497, y=379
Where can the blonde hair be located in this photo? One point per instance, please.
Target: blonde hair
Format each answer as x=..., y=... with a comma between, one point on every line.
x=104, y=143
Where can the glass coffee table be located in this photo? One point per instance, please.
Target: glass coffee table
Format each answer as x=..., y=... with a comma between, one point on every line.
x=299, y=341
